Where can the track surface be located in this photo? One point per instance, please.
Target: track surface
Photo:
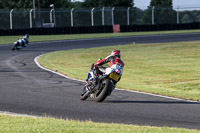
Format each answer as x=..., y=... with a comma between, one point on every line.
x=27, y=89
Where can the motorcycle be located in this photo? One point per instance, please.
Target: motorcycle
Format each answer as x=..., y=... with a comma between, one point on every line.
x=106, y=84
x=17, y=45
x=20, y=43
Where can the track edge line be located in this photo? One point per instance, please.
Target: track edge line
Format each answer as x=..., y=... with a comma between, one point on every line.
x=145, y=93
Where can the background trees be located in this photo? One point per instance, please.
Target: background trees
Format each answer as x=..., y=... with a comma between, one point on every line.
x=10, y=4
x=163, y=12
x=16, y=4
x=107, y=3
x=161, y=3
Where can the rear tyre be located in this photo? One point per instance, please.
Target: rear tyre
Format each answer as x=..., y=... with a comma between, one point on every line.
x=84, y=94
x=104, y=91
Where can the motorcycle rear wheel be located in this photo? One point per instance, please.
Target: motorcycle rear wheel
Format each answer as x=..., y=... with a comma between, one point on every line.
x=104, y=91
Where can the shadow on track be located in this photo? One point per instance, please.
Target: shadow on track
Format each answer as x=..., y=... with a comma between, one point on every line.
x=152, y=102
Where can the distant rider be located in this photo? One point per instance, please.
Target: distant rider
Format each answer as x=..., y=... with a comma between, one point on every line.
x=22, y=41
x=25, y=40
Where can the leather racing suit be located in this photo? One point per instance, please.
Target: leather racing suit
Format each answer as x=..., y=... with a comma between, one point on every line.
x=115, y=62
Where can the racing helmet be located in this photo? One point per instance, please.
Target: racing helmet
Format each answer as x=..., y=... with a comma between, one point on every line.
x=26, y=36
x=116, y=53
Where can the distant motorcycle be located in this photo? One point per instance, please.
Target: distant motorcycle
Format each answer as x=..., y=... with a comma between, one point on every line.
x=20, y=43
x=105, y=86
x=17, y=45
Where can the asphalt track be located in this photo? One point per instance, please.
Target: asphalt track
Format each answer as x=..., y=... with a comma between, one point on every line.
x=27, y=89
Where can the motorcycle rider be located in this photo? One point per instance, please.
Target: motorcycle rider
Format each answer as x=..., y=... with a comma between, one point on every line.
x=100, y=72
x=25, y=40
x=115, y=62
x=21, y=42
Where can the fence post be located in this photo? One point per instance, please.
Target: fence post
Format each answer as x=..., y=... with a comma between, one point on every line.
x=92, y=16
x=103, y=23
x=51, y=18
x=11, y=24
x=72, y=22
x=128, y=16
x=113, y=15
x=54, y=16
x=177, y=15
x=31, y=22
x=153, y=15
x=34, y=8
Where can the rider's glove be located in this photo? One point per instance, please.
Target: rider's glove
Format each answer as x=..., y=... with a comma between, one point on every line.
x=92, y=66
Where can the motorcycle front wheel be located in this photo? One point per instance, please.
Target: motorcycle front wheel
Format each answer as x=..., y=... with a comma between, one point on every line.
x=13, y=48
x=84, y=94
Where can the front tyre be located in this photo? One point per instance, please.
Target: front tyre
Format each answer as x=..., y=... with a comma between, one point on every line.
x=13, y=48
x=84, y=94
x=104, y=91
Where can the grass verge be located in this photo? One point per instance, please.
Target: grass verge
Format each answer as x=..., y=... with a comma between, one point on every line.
x=170, y=69
x=39, y=38
x=18, y=124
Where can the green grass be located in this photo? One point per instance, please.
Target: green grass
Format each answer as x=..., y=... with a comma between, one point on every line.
x=38, y=38
x=18, y=124
x=170, y=69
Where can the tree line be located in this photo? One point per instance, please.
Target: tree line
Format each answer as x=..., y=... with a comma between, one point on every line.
x=15, y=4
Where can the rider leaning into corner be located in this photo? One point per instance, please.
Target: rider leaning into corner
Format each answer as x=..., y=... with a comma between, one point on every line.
x=25, y=40
x=115, y=62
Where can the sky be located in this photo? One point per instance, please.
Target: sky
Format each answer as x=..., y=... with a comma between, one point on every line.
x=182, y=3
